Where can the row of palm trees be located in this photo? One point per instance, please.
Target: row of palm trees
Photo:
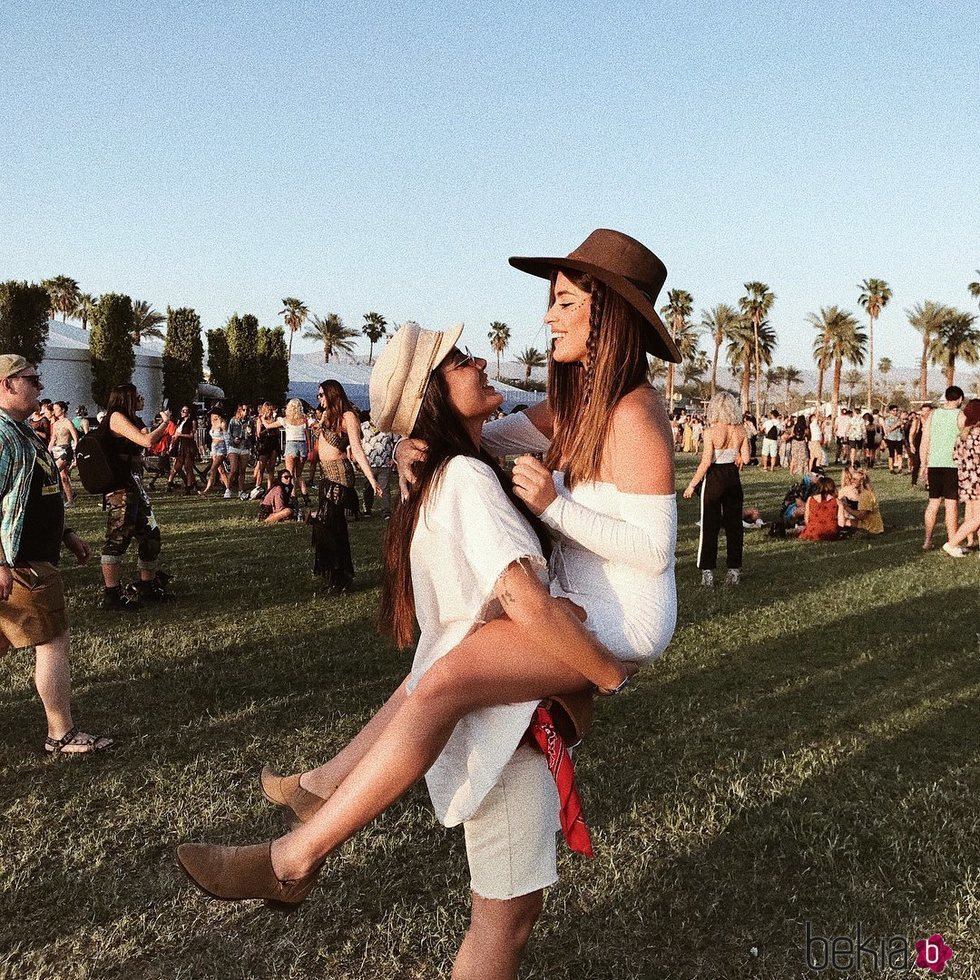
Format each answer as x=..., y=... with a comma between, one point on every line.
x=67, y=298
x=949, y=337
x=330, y=330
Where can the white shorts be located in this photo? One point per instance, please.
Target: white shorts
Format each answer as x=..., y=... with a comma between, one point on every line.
x=770, y=447
x=510, y=840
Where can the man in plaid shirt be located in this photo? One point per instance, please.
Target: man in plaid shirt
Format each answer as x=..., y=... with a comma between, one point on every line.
x=32, y=531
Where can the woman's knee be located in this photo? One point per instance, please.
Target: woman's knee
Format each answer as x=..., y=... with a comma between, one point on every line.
x=507, y=924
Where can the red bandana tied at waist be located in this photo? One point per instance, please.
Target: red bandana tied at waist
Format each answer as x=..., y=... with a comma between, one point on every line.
x=542, y=732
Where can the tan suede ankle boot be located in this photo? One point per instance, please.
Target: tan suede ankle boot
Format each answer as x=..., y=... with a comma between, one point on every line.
x=285, y=791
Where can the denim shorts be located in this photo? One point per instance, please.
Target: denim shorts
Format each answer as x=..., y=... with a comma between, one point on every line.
x=296, y=447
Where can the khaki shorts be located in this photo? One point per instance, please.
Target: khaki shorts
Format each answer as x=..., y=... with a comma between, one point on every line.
x=510, y=840
x=35, y=613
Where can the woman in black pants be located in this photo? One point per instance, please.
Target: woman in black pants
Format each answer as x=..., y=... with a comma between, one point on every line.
x=726, y=451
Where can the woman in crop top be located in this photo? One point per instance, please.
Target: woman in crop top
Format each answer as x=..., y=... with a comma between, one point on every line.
x=294, y=425
x=726, y=450
x=610, y=433
x=340, y=430
x=219, y=453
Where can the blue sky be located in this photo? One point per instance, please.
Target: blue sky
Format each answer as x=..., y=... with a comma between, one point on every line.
x=223, y=156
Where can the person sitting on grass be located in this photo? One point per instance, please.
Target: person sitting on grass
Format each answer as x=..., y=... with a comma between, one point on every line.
x=820, y=512
x=278, y=504
x=857, y=504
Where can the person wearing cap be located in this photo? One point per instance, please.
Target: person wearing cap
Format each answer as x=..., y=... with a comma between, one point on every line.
x=32, y=532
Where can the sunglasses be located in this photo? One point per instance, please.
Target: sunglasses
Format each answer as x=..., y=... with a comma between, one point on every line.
x=31, y=379
x=463, y=359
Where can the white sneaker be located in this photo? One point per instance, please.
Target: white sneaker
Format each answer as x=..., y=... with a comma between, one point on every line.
x=255, y=494
x=707, y=578
x=228, y=495
x=953, y=551
x=243, y=495
x=734, y=576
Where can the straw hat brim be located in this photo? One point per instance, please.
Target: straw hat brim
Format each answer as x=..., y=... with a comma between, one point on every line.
x=658, y=339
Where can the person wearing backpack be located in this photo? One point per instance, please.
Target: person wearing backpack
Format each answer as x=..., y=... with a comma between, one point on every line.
x=771, y=429
x=128, y=514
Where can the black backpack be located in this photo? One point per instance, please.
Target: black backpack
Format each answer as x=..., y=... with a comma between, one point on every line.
x=772, y=432
x=99, y=471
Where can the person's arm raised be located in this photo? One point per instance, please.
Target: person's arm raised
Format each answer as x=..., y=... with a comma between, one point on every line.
x=121, y=426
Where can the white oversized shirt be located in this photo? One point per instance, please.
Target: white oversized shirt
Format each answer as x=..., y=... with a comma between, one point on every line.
x=467, y=535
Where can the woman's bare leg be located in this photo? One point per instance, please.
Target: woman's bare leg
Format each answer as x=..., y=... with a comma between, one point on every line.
x=325, y=779
x=495, y=665
x=497, y=936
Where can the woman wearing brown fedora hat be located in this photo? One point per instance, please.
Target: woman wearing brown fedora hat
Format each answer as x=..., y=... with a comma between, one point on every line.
x=629, y=520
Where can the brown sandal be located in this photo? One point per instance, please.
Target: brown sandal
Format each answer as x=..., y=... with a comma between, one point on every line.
x=86, y=744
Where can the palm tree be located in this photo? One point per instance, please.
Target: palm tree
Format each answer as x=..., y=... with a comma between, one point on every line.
x=294, y=312
x=742, y=347
x=718, y=323
x=791, y=377
x=656, y=369
x=957, y=340
x=773, y=376
x=375, y=327
x=927, y=318
x=64, y=294
x=499, y=337
x=146, y=322
x=875, y=294
x=676, y=312
x=85, y=309
x=846, y=342
x=974, y=287
x=756, y=304
x=852, y=379
x=332, y=333
x=884, y=366
x=531, y=357
x=826, y=323
x=693, y=367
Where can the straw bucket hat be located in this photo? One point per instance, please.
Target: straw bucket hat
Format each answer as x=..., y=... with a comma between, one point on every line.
x=401, y=375
x=626, y=266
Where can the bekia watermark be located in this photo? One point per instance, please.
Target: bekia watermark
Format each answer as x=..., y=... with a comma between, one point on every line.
x=857, y=951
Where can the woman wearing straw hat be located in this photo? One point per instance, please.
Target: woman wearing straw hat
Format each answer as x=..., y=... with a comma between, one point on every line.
x=540, y=648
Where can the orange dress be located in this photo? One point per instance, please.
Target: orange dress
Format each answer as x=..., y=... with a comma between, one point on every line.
x=822, y=522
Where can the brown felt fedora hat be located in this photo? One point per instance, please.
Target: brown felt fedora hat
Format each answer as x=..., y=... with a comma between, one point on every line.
x=625, y=266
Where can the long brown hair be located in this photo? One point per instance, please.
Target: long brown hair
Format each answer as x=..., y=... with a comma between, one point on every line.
x=446, y=436
x=335, y=405
x=583, y=398
x=123, y=398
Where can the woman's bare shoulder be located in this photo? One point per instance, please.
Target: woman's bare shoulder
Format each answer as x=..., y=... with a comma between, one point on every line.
x=642, y=405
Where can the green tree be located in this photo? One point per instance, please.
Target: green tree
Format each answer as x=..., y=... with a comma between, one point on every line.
x=183, y=356
x=846, y=342
x=531, y=357
x=741, y=351
x=852, y=379
x=375, y=327
x=756, y=304
x=974, y=287
x=957, y=340
x=243, y=357
x=219, y=359
x=772, y=376
x=927, y=318
x=718, y=323
x=499, y=337
x=791, y=378
x=332, y=333
x=294, y=312
x=146, y=321
x=677, y=312
x=24, y=319
x=273, y=365
x=884, y=367
x=111, y=345
x=874, y=297
x=85, y=308
x=826, y=323
x=64, y=294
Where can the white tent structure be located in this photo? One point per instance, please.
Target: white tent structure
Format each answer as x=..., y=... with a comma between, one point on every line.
x=306, y=371
x=67, y=372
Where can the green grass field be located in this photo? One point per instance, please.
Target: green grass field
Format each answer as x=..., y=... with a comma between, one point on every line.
x=805, y=751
